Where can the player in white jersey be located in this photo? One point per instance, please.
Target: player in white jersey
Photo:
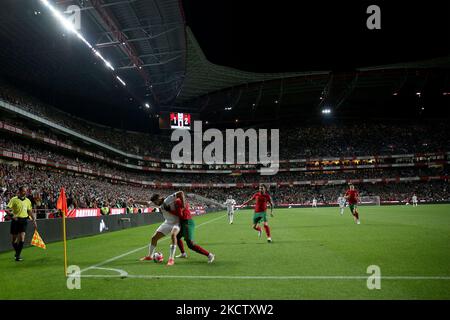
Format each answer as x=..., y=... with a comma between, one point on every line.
x=414, y=200
x=314, y=203
x=171, y=224
x=230, y=203
x=341, y=201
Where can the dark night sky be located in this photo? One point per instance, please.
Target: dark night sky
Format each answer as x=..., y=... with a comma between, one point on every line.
x=288, y=35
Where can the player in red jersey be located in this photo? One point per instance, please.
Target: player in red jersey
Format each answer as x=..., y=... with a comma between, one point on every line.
x=352, y=197
x=187, y=230
x=262, y=198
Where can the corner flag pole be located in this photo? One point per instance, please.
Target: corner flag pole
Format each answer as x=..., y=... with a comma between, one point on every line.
x=61, y=204
x=65, y=243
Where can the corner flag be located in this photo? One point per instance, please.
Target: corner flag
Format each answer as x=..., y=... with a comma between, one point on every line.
x=61, y=204
x=37, y=240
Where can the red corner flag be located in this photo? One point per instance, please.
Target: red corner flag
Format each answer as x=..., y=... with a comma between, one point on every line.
x=61, y=204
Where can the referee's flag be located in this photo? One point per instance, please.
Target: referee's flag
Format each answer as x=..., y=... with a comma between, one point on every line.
x=37, y=240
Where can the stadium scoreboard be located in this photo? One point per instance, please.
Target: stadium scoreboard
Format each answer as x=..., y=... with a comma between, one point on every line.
x=180, y=120
x=176, y=120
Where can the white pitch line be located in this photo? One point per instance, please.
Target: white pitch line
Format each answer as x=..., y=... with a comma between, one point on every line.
x=267, y=277
x=123, y=274
x=138, y=249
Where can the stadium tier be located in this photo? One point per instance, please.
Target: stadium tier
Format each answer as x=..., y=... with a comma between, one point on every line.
x=346, y=140
x=85, y=191
x=39, y=145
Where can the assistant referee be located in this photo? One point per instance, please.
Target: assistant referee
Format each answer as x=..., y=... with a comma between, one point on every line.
x=20, y=210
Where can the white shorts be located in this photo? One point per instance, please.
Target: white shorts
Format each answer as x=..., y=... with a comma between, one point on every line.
x=342, y=206
x=166, y=228
x=230, y=211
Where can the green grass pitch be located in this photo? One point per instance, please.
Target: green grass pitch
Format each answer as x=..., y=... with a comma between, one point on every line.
x=316, y=254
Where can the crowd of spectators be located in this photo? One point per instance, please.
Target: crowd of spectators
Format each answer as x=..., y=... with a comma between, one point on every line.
x=89, y=192
x=22, y=146
x=435, y=191
x=84, y=191
x=364, y=139
x=128, y=141
x=300, y=142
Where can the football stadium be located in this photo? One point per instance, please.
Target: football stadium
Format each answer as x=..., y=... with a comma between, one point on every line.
x=222, y=150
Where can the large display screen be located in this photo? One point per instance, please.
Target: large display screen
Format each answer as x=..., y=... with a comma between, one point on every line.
x=176, y=120
x=180, y=120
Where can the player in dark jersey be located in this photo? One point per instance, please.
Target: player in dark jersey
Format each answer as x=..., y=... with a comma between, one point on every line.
x=262, y=198
x=352, y=197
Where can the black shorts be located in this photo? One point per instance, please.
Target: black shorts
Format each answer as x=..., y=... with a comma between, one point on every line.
x=19, y=225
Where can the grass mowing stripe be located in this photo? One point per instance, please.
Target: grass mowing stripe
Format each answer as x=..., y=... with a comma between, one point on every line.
x=138, y=249
x=124, y=274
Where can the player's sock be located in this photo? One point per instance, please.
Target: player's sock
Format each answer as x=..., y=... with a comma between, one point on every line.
x=200, y=250
x=267, y=229
x=19, y=249
x=14, y=244
x=231, y=218
x=181, y=246
x=258, y=228
x=151, y=250
x=173, y=248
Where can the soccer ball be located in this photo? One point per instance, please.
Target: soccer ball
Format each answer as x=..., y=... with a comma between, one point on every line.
x=158, y=257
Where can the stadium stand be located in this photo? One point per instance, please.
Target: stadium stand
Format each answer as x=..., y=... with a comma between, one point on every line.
x=392, y=161
x=313, y=141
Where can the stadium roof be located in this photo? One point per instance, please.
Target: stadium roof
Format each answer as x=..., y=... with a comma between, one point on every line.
x=229, y=95
x=441, y=62
x=224, y=92
x=203, y=77
x=153, y=32
x=143, y=40
x=160, y=60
